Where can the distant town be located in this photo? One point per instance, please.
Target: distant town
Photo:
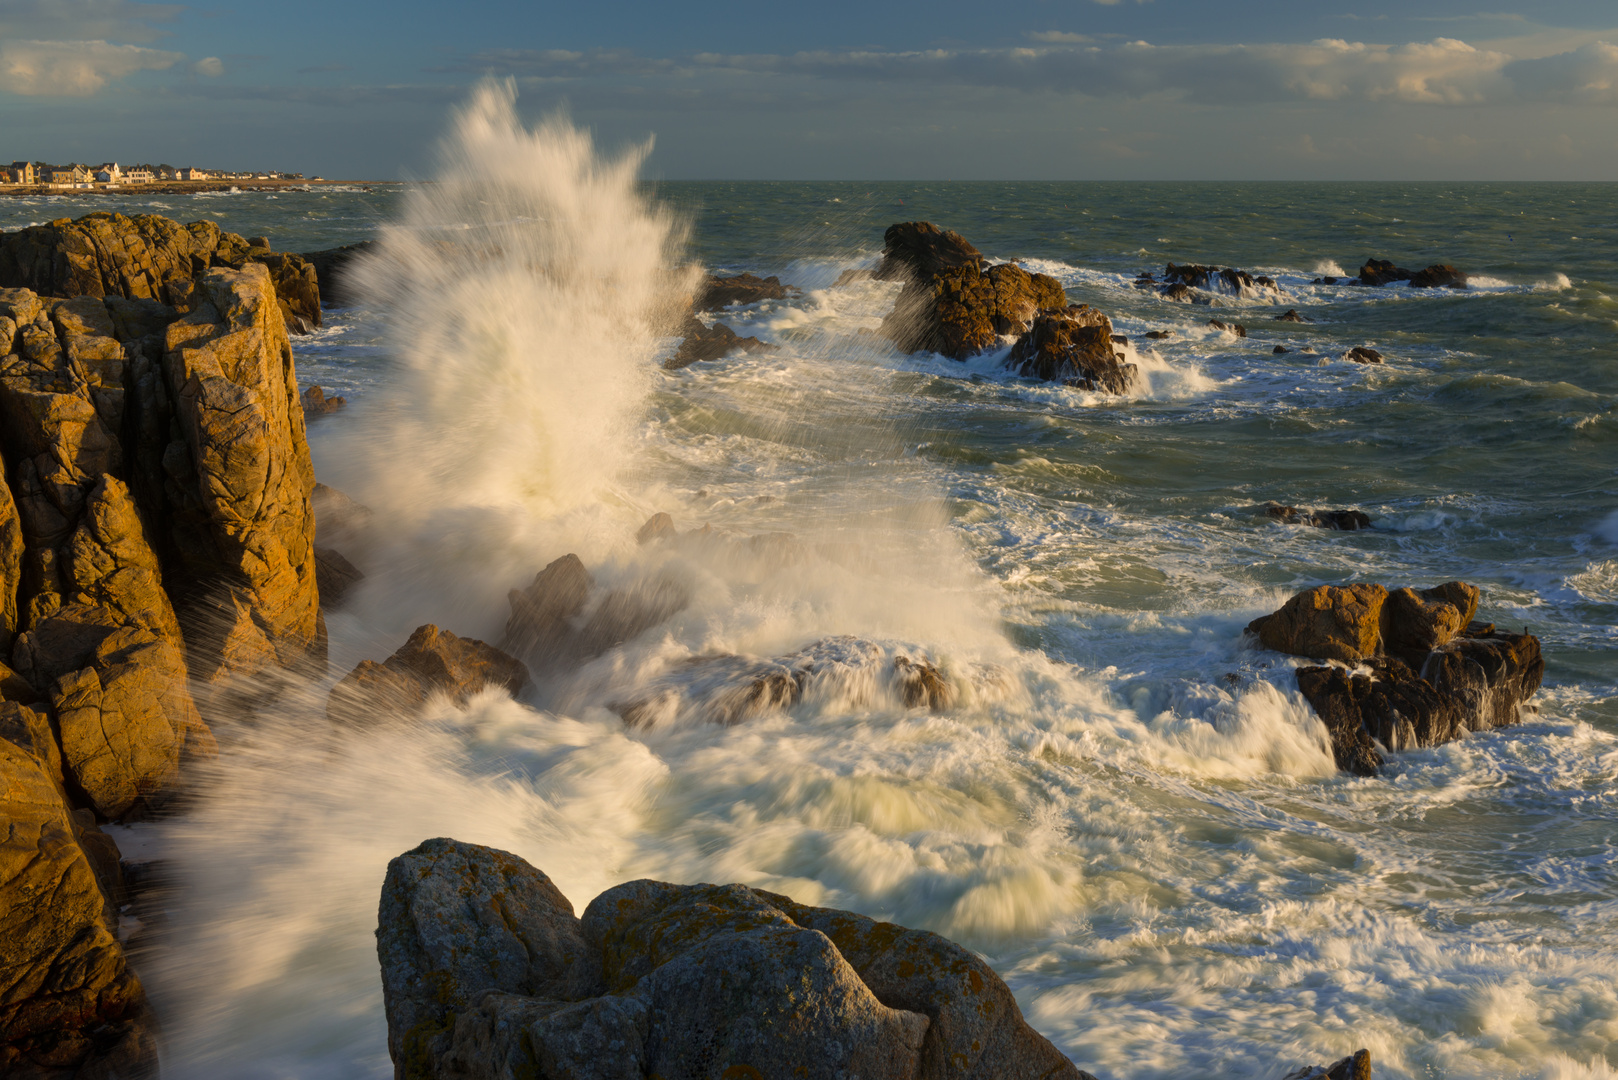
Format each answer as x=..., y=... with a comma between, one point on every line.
x=111, y=174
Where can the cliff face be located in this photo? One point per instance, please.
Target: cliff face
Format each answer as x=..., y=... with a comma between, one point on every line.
x=156, y=548
x=147, y=257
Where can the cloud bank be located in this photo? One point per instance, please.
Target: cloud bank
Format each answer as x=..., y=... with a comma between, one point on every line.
x=74, y=68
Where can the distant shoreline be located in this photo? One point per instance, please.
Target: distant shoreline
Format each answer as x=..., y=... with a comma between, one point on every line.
x=184, y=187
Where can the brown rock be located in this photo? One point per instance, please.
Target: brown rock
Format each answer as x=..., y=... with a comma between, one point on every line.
x=1213, y=278
x=1357, y=1066
x=920, y=250
x=11, y=552
x=1329, y=621
x=69, y=1005
x=1234, y=328
x=316, y=403
x=1075, y=347
x=335, y=575
x=1381, y=272
x=432, y=661
x=239, y=482
x=710, y=343
x=1359, y=354
x=1438, y=276
x=1344, y=520
x=332, y=266
x=923, y=685
x=297, y=290
x=720, y=292
x=539, y=623
x=1414, y=624
x=1290, y=315
x=658, y=527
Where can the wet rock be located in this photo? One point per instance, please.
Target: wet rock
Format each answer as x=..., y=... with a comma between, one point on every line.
x=710, y=343
x=628, y=611
x=339, y=520
x=659, y=979
x=1158, y=335
x=1359, y=354
x=1231, y=328
x=922, y=685
x=69, y=1006
x=431, y=661
x=1279, y=350
x=1421, y=672
x=539, y=622
x=659, y=526
x=1329, y=621
x=1357, y=1066
x=297, y=289
x=1439, y=276
x=1075, y=347
x=1345, y=520
x=1290, y=315
x=238, y=483
x=331, y=269
x=1381, y=272
x=334, y=575
x=1212, y=278
x=853, y=274
x=951, y=303
x=721, y=292
x=1181, y=293
x=316, y=403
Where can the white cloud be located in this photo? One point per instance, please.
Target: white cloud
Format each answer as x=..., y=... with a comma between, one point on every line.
x=1056, y=37
x=211, y=66
x=73, y=68
x=47, y=20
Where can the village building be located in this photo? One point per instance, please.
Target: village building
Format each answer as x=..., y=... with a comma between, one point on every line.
x=109, y=173
x=192, y=174
x=22, y=172
x=138, y=174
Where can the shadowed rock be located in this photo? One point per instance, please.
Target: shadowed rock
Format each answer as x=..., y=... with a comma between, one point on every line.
x=331, y=268
x=710, y=343
x=431, y=661
x=486, y=973
x=1345, y=520
x=1357, y=1066
x=316, y=403
x=1360, y=354
x=1075, y=347
x=720, y=292
x=539, y=622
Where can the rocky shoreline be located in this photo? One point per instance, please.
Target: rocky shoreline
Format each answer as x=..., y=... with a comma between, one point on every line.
x=158, y=567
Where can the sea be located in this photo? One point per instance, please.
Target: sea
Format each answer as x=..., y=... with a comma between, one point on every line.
x=1129, y=811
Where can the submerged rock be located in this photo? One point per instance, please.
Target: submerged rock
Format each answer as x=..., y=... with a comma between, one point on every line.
x=1229, y=328
x=710, y=343
x=1290, y=315
x=1345, y=520
x=1226, y=280
x=487, y=973
x=951, y=303
x=1359, y=354
x=1419, y=672
x=1075, y=347
x=432, y=661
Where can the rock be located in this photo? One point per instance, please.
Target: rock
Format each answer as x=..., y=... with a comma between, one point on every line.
x=1345, y=520
x=1357, y=1066
x=1329, y=621
x=1181, y=293
x=316, y=403
x=1290, y=315
x=331, y=268
x=1228, y=280
x=1438, y=276
x=922, y=685
x=720, y=292
x=539, y=625
x=146, y=257
x=334, y=575
x=920, y=250
x=11, y=553
x=1381, y=272
x=1231, y=328
x=851, y=275
x=339, y=520
x=69, y=1005
x=1423, y=673
x=432, y=661
x=238, y=483
x=1074, y=346
x=627, y=612
x=486, y=973
x=951, y=304
x=1359, y=354
x=1158, y=335
x=658, y=527
x=710, y=343
x=1279, y=349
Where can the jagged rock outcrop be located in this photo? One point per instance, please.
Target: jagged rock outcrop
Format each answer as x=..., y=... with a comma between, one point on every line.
x=1344, y=520
x=147, y=257
x=1356, y=1066
x=952, y=303
x=331, y=268
x=1227, y=280
x=69, y=1005
x=238, y=482
x=721, y=292
x=316, y=403
x=431, y=661
x=1360, y=354
x=1418, y=671
x=1439, y=275
x=486, y=972
x=710, y=343
x=1075, y=347
x=547, y=625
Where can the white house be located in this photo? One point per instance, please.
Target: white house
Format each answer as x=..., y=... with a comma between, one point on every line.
x=139, y=175
x=109, y=173
x=193, y=174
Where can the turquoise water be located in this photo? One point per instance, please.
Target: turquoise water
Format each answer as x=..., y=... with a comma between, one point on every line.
x=1158, y=858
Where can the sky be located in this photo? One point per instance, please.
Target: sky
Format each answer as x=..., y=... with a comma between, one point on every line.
x=840, y=89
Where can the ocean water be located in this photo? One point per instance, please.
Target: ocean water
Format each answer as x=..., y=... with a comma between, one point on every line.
x=1131, y=813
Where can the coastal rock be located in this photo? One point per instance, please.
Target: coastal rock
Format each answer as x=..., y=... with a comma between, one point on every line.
x=1439, y=276
x=69, y=1005
x=1229, y=328
x=335, y=575
x=951, y=303
x=710, y=343
x=146, y=257
x=660, y=526
x=721, y=292
x=1359, y=354
x=1075, y=347
x=331, y=268
x=11, y=553
x=238, y=482
x=316, y=403
x=675, y=980
x=1279, y=350
x=431, y=661
x=1290, y=315
x=1421, y=671
x=1357, y=1066
x=1345, y=520
x=539, y=624
x=1381, y=272
x=1227, y=279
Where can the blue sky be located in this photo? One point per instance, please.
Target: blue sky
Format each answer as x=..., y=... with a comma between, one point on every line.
x=1021, y=89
